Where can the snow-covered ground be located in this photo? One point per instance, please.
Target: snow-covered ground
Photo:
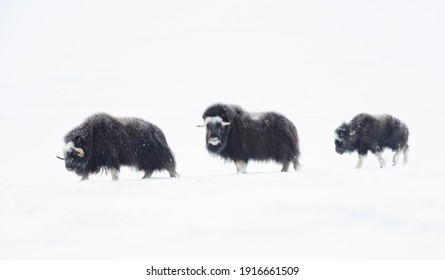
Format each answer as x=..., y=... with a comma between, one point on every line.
x=317, y=62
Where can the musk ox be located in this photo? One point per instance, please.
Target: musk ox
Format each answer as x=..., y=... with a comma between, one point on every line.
x=103, y=142
x=239, y=136
x=373, y=133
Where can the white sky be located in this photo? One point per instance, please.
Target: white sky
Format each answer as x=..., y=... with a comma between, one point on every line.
x=68, y=37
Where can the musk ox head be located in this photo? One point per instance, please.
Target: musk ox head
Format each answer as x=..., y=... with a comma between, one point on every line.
x=76, y=156
x=345, y=138
x=218, y=120
x=217, y=132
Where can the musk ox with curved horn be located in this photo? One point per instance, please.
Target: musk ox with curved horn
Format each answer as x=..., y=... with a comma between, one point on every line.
x=103, y=142
x=239, y=136
x=373, y=133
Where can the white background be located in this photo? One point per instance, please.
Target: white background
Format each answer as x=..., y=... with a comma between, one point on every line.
x=317, y=62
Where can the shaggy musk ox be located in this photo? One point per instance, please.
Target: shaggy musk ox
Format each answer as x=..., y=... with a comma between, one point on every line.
x=103, y=142
x=237, y=135
x=373, y=133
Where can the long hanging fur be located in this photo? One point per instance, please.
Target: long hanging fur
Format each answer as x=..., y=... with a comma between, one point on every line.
x=373, y=133
x=239, y=136
x=109, y=143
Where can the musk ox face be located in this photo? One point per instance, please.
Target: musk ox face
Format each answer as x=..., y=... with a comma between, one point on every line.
x=217, y=132
x=344, y=139
x=75, y=157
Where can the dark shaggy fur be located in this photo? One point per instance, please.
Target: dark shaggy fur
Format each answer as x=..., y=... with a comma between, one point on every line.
x=242, y=136
x=109, y=143
x=373, y=133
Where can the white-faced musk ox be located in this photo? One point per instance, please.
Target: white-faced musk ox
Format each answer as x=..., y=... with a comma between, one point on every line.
x=103, y=142
x=239, y=136
x=373, y=133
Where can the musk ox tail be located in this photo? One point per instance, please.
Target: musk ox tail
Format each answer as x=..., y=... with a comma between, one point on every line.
x=296, y=148
x=293, y=151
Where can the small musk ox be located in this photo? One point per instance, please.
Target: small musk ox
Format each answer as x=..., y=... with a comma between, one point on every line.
x=373, y=133
x=239, y=136
x=103, y=142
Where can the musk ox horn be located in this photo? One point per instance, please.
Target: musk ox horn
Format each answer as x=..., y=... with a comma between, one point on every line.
x=61, y=158
x=223, y=124
x=70, y=147
x=79, y=151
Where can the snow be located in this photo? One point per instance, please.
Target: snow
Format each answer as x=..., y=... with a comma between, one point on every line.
x=317, y=62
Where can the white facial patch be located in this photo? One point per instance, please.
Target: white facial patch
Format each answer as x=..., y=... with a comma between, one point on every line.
x=216, y=119
x=214, y=141
x=68, y=147
x=336, y=137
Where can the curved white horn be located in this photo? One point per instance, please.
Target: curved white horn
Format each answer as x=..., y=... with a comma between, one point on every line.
x=61, y=158
x=70, y=147
x=201, y=125
x=226, y=123
x=79, y=151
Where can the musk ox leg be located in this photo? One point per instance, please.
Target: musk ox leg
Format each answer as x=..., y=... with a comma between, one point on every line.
x=380, y=159
x=173, y=173
x=360, y=161
x=147, y=174
x=396, y=157
x=297, y=165
x=85, y=177
x=405, y=154
x=241, y=166
x=114, y=174
x=285, y=166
